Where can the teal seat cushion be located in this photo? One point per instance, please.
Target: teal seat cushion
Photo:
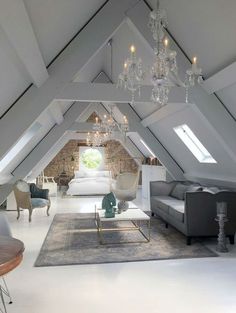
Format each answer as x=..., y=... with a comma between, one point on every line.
x=39, y=202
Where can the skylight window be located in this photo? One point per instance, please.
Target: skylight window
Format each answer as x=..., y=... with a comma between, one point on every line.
x=146, y=146
x=193, y=144
x=12, y=153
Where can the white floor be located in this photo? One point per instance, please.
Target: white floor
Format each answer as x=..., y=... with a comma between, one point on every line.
x=174, y=286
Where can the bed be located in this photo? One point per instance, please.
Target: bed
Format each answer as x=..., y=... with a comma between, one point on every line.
x=90, y=183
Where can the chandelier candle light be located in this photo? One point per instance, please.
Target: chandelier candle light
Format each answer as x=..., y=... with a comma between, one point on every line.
x=164, y=71
x=132, y=75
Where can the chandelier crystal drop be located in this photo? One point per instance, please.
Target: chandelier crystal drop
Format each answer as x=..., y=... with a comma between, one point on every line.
x=164, y=71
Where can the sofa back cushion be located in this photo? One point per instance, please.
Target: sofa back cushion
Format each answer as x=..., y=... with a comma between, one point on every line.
x=179, y=191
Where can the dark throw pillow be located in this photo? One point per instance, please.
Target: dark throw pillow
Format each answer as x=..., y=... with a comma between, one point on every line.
x=179, y=191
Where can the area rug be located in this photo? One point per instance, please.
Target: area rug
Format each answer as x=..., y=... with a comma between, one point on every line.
x=64, y=245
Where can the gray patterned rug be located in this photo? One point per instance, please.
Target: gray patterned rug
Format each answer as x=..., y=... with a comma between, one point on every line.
x=64, y=245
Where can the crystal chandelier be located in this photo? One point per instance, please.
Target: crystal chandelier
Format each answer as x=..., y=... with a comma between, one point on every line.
x=132, y=75
x=104, y=130
x=164, y=71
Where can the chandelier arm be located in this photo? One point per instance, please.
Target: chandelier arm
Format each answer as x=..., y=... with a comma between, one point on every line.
x=164, y=71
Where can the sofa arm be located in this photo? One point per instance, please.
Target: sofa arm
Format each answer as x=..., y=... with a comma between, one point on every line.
x=200, y=213
x=161, y=188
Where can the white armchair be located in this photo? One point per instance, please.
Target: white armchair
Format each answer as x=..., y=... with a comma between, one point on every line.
x=125, y=188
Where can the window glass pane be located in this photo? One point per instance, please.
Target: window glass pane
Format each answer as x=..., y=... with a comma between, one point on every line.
x=194, y=144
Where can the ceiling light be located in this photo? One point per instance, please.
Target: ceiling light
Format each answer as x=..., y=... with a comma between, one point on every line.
x=105, y=128
x=164, y=71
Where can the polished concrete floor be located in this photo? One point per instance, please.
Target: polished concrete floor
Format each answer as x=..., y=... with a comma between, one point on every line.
x=173, y=286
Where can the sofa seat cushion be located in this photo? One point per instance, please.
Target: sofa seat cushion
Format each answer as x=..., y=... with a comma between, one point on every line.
x=161, y=202
x=176, y=209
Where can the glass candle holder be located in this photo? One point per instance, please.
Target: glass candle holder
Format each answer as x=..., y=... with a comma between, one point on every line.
x=221, y=208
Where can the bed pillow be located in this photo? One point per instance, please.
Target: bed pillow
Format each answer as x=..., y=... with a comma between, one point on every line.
x=91, y=174
x=106, y=173
x=97, y=174
x=179, y=191
x=79, y=174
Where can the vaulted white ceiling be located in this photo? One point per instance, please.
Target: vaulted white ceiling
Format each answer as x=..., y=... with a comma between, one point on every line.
x=202, y=28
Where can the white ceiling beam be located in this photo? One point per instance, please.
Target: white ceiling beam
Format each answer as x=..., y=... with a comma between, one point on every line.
x=77, y=55
x=56, y=112
x=210, y=107
x=90, y=92
x=4, y=192
x=83, y=127
x=48, y=156
x=221, y=80
x=50, y=140
x=164, y=112
x=148, y=137
x=15, y=21
x=88, y=112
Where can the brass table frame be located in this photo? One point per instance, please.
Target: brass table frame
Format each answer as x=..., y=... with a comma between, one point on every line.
x=136, y=227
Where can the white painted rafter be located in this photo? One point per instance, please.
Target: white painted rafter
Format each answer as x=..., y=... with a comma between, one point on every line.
x=162, y=154
x=49, y=140
x=221, y=80
x=56, y=112
x=15, y=22
x=73, y=59
x=91, y=108
x=91, y=92
x=163, y=112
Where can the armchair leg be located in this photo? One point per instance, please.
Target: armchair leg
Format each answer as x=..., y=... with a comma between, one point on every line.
x=30, y=214
x=188, y=241
x=166, y=225
x=231, y=239
x=48, y=207
x=18, y=213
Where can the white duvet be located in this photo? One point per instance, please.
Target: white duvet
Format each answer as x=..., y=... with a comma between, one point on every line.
x=89, y=186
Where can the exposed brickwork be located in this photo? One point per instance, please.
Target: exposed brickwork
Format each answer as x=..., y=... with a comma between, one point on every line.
x=116, y=159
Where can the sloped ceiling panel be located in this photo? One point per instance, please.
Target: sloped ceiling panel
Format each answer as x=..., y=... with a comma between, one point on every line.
x=228, y=96
x=13, y=77
x=55, y=22
x=223, y=170
x=205, y=28
x=136, y=140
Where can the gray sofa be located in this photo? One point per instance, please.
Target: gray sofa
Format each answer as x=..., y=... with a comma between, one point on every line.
x=191, y=208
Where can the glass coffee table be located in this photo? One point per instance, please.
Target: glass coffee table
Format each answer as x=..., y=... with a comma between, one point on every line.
x=137, y=218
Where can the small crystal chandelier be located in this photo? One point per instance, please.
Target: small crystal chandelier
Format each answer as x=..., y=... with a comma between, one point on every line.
x=164, y=71
x=132, y=75
x=104, y=130
x=96, y=139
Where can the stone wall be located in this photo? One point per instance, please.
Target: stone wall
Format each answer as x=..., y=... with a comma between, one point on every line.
x=117, y=159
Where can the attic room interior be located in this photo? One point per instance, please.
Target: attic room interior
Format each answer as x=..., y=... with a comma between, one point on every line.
x=117, y=156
